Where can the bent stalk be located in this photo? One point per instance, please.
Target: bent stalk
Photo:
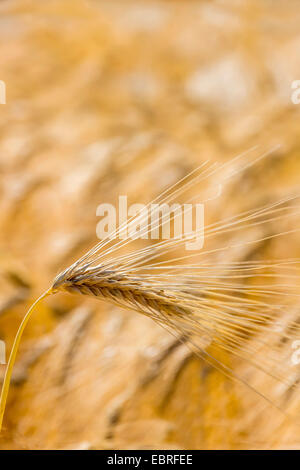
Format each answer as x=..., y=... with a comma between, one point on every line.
x=13, y=354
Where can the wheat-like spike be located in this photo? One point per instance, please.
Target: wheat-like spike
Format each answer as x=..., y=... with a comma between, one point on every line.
x=127, y=291
x=207, y=305
x=203, y=311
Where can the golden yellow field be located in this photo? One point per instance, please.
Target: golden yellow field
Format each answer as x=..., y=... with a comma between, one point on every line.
x=126, y=97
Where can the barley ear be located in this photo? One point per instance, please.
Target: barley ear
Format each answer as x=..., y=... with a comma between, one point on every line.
x=13, y=354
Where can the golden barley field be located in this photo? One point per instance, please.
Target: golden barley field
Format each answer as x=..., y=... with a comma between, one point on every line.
x=125, y=98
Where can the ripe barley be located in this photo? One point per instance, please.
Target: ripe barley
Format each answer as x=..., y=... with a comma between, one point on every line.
x=212, y=305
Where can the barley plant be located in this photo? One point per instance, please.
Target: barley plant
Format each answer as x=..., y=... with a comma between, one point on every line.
x=226, y=312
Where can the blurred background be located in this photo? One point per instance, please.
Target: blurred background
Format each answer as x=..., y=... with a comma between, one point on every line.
x=126, y=97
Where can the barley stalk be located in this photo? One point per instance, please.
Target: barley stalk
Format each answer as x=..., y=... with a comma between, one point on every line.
x=209, y=305
x=13, y=354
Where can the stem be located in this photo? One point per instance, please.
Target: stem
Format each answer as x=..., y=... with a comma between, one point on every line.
x=13, y=354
